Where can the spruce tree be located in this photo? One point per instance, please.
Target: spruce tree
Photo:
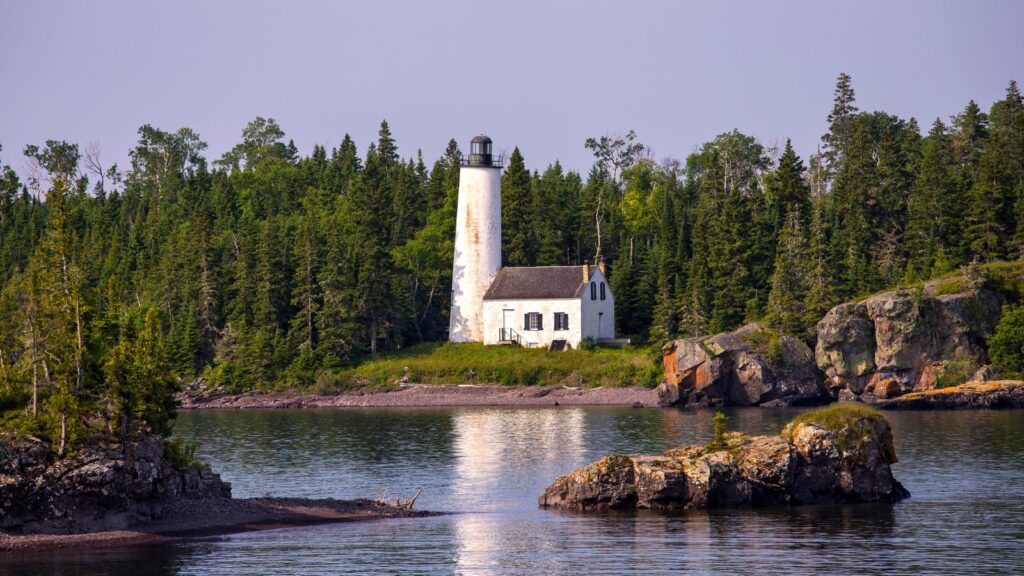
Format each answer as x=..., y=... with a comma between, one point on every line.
x=518, y=217
x=821, y=293
x=791, y=278
x=934, y=207
x=840, y=132
x=790, y=190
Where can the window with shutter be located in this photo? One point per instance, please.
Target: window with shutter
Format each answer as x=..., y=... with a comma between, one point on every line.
x=602, y=291
x=593, y=291
x=561, y=321
x=533, y=321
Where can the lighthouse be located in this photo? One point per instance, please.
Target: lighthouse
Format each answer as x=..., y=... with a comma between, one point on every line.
x=477, y=240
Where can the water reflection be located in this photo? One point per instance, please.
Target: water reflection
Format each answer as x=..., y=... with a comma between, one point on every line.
x=490, y=445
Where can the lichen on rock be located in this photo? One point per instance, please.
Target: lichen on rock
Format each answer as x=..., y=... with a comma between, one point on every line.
x=900, y=341
x=752, y=366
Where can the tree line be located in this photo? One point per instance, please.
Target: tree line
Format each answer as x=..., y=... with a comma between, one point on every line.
x=267, y=268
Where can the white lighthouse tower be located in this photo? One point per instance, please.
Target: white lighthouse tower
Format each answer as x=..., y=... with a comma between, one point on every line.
x=477, y=240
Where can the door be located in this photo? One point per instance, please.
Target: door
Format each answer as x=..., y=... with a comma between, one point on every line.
x=506, y=324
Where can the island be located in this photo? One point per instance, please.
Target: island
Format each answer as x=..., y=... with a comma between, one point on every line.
x=838, y=454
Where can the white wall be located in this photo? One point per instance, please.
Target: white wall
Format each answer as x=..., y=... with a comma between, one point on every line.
x=477, y=250
x=594, y=319
x=598, y=315
x=493, y=312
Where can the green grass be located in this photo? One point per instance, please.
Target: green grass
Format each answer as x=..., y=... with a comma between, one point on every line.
x=836, y=416
x=951, y=286
x=509, y=365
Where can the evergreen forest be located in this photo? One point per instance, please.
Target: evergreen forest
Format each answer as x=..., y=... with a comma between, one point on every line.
x=265, y=268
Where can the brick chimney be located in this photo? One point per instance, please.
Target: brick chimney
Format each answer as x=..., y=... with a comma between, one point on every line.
x=600, y=265
x=586, y=271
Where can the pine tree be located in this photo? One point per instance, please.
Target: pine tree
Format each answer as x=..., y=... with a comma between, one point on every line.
x=840, y=132
x=517, y=214
x=790, y=190
x=387, y=152
x=935, y=210
x=153, y=374
x=821, y=294
x=790, y=281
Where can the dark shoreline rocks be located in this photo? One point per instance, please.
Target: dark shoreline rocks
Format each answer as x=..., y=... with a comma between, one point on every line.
x=96, y=488
x=140, y=493
x=839, y=459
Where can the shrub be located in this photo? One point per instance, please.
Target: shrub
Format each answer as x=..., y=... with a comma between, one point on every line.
x=956, y=371
x=719, y=422
x=1006, y=346
x=767, y=342
x=974, y=275
x=182, y=454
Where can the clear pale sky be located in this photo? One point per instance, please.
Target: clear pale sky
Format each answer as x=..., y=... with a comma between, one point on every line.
x=542, y=75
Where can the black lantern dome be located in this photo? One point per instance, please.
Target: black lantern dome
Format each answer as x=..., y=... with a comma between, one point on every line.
x=480, y=153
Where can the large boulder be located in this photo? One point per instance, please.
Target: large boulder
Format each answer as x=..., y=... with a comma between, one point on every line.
x=835, y=455
x=752, y=366
x=95, y=489
x=901, y=341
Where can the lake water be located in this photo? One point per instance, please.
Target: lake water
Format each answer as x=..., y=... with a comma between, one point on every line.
x=964, y=469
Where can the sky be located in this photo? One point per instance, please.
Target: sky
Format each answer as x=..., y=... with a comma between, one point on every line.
x=541, y=75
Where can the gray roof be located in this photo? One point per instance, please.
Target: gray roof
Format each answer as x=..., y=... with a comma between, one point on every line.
x=537, y=283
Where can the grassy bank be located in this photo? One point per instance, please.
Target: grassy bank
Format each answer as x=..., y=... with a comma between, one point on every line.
x=509, y=365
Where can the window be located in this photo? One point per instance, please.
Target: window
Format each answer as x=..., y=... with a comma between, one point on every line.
x=593, y=291
x=533, y=321
x=602, y=291
x=561, y=321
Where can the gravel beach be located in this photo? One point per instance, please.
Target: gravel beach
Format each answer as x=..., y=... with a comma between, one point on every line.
x=428, y=395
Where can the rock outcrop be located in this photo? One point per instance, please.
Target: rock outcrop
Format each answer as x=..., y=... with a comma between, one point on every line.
x=94, y=489
x=827, y=460
x=752, y=366
x=972, y=395
x=900, y=342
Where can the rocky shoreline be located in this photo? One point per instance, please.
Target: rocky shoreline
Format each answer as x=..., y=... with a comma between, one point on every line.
x=997, y=394
x=190, y=518
x=425, y=396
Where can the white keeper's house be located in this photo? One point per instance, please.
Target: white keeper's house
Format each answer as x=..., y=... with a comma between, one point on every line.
x=555, y=307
